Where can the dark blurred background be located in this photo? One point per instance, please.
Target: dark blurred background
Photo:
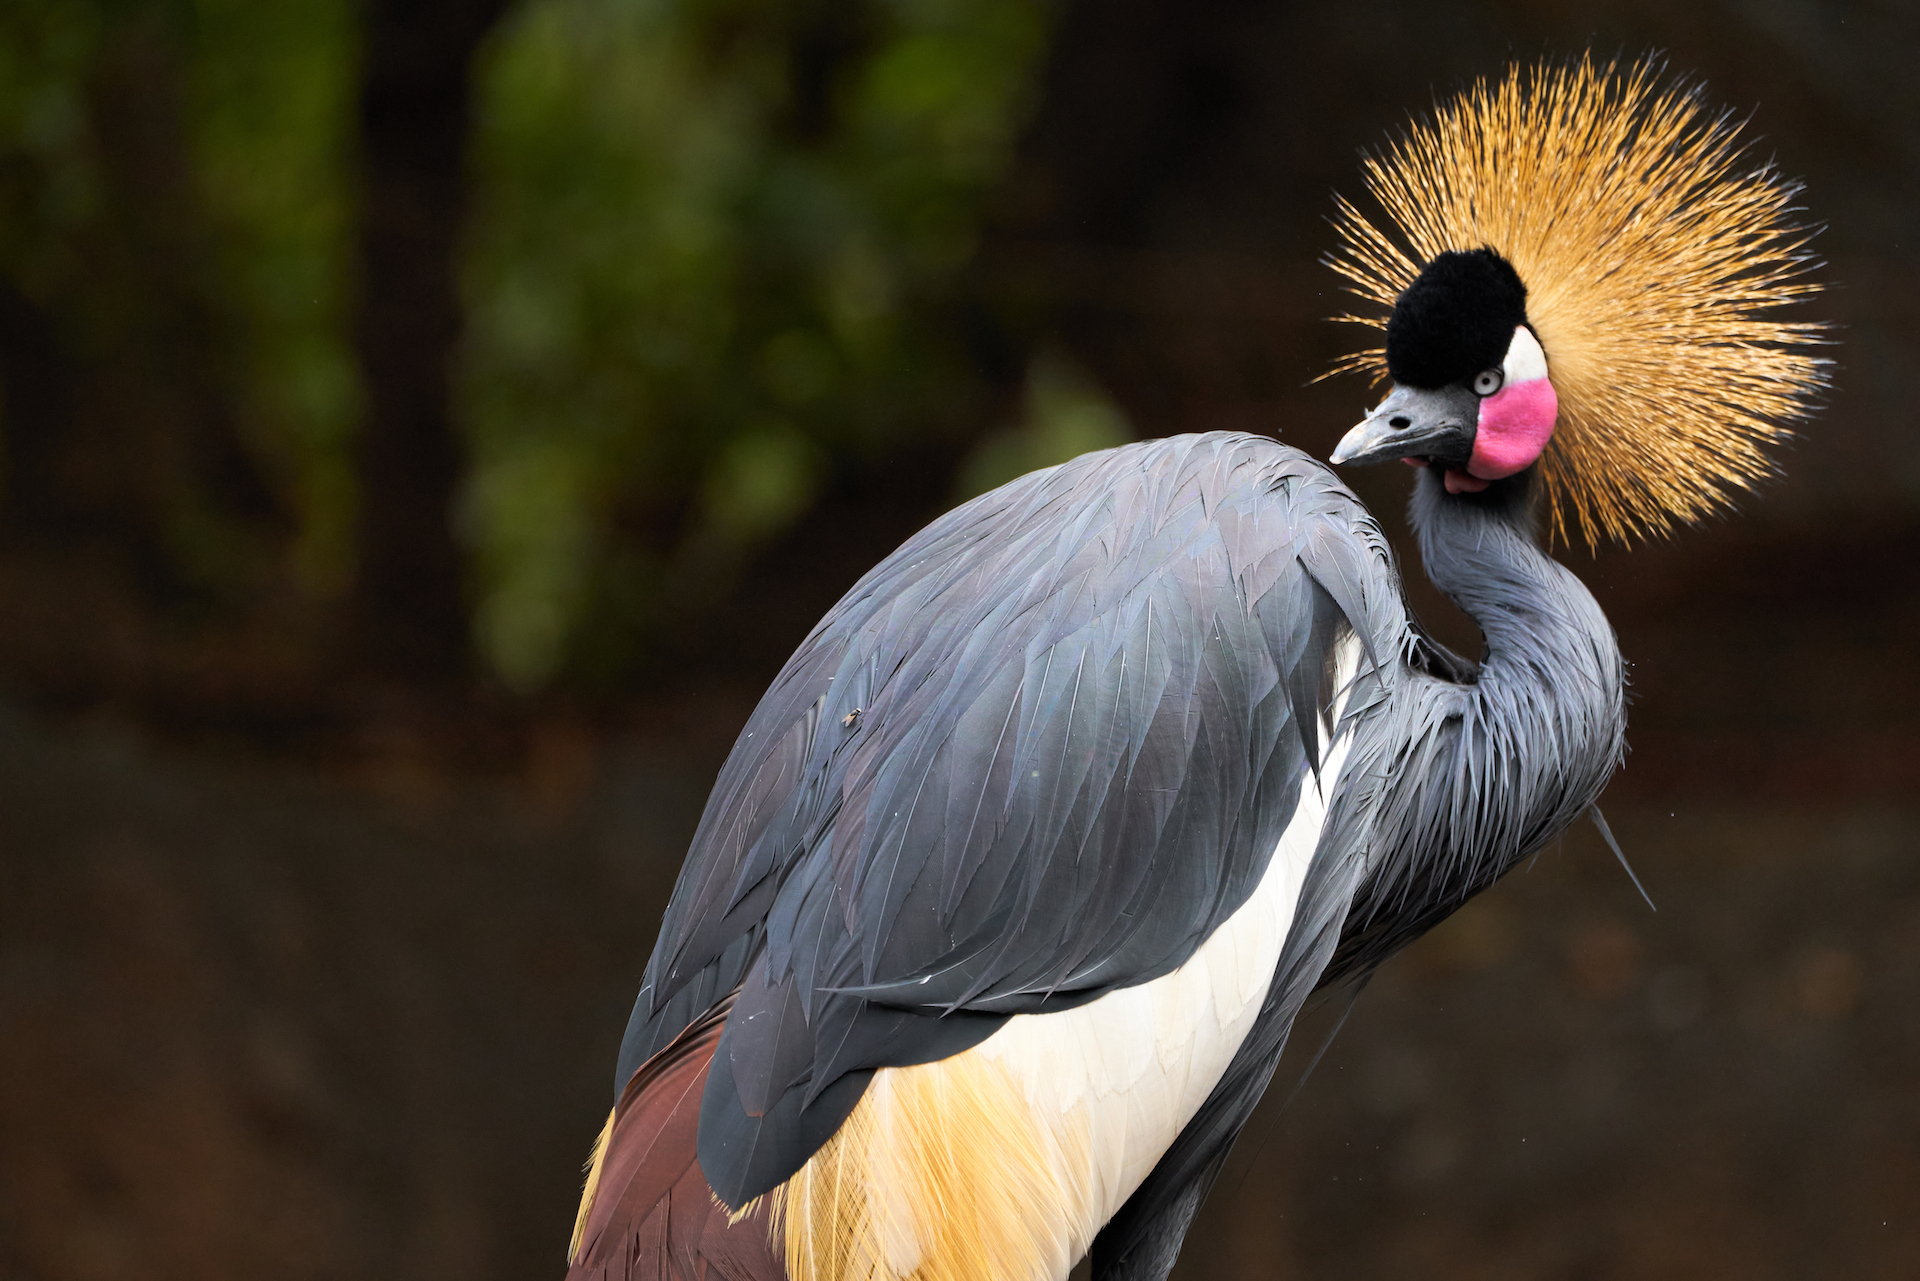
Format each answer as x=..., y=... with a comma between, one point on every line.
x=425, y=428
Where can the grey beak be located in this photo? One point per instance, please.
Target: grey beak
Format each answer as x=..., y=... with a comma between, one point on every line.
x=1414, y=422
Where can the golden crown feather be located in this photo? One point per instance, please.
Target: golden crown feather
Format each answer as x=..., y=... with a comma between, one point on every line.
x=1654, y=250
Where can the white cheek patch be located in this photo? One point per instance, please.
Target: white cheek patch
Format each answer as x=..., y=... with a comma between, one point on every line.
x=1525, y=361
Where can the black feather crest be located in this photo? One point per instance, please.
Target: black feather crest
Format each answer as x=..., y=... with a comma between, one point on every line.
x=1455, y=320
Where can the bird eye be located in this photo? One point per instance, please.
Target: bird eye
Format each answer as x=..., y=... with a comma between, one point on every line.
x=1488, y=382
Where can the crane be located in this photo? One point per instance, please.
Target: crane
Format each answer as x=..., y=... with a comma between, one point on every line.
x=1002, y=907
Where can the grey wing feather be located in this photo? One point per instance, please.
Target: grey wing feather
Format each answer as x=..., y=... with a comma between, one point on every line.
x=1087, y=703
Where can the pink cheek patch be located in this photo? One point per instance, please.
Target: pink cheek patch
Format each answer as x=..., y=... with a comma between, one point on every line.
x=1515, y=423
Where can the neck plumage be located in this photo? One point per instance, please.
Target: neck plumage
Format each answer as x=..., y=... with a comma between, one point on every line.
x=1464, y=779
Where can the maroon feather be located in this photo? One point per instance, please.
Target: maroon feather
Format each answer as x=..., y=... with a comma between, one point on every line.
x=653, y=1217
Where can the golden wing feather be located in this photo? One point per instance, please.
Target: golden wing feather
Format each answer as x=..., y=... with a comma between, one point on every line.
x=1654, y=252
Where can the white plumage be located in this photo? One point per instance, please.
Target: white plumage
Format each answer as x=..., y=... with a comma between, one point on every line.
x=1111, y=1084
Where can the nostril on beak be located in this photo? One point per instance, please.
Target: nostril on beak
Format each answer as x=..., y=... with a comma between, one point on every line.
x=1400, y=422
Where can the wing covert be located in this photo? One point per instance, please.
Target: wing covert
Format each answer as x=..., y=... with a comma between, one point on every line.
x=1040, y=752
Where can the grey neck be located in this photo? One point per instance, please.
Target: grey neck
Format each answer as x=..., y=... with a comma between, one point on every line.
x=1465, y=780
x=1483, y=551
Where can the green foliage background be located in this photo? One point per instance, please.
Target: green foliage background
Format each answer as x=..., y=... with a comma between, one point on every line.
x=699, y=282
x=715, y=257
x=225, y=192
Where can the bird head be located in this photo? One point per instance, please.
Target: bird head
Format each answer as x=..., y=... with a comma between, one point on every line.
x=1580, y=269
x=1471, y=392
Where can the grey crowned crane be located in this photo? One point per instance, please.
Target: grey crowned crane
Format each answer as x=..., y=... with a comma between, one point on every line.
x=1002, y=907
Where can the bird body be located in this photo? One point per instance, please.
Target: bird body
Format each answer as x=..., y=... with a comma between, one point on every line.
x=1210, y=653
x=1090, y=702
x=1003, y=905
